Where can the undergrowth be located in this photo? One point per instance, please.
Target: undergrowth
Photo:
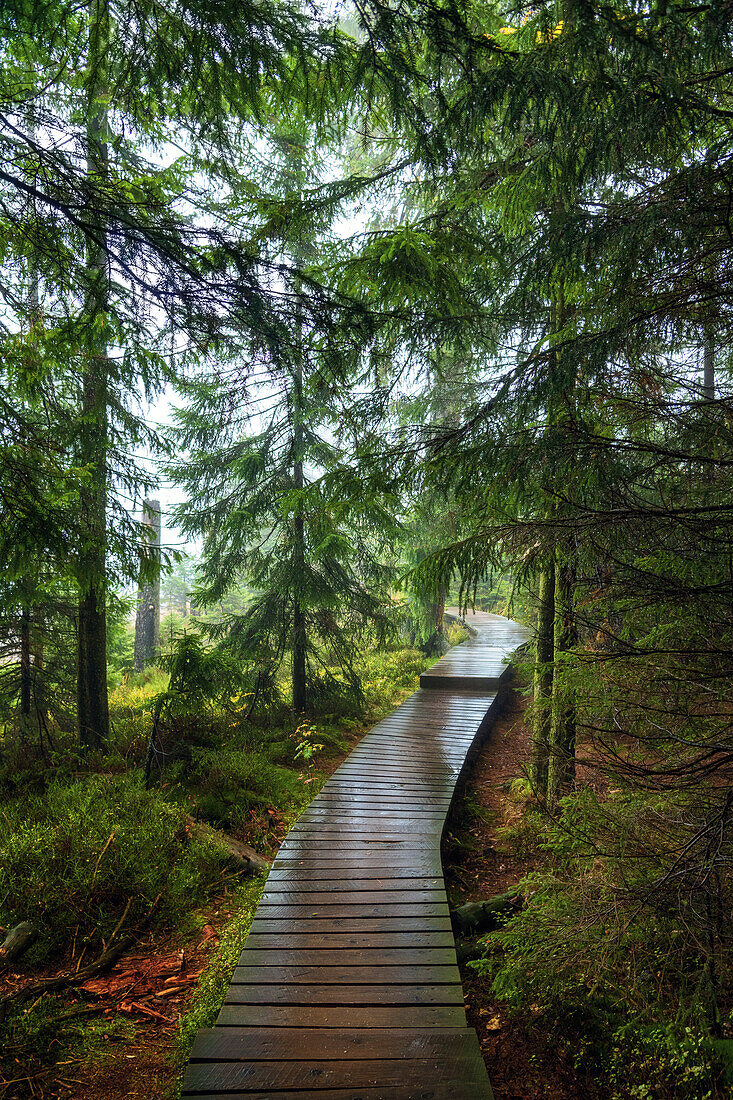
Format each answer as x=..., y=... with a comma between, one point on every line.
x=85, y=843
x=79, y=856
x=215, y=980
x=601, y=962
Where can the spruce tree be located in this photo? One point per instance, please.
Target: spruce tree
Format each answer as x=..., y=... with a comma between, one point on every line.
x=92, y=704
x=116, y=251
x=589, y=150
x=261, y=441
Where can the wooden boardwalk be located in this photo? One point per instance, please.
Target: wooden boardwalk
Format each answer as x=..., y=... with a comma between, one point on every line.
x=348, y=988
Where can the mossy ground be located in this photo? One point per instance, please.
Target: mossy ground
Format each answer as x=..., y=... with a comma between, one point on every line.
x=84, y=844
x=572, y=999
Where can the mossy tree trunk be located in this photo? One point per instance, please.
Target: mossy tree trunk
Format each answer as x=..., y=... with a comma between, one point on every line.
x=543, y=676
x=92, y=702
x=561, y=761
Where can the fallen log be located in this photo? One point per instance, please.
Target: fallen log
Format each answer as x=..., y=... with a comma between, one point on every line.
x=241, y=856
x=17, y=941
x=476, y=917
x=36, y=990
x=65, y=981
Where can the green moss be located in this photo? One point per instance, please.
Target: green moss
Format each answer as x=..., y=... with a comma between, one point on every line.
x=50, y=1030
x=72, y=859
x=215, y=980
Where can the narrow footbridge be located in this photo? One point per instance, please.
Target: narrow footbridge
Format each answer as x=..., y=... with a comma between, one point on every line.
x=348, y=988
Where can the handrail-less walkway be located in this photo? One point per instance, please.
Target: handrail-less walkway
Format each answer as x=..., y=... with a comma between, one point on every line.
x=348, y=988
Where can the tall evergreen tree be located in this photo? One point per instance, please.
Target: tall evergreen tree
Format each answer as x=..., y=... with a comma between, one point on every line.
x=92, y=704
x=118, y=248
x=261, y=441
x=588, y=152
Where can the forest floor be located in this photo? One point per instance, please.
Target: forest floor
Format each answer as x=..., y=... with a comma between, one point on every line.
x=133, y=1025
x=521, y=1057
x=124, y=1033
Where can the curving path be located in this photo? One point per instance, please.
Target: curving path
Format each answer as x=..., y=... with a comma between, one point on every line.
x=348, y=988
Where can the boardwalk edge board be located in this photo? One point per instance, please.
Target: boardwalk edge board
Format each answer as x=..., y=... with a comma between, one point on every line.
x=348, y=987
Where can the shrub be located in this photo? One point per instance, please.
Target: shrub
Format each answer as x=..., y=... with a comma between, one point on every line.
x=388, y=673
x=231, y=782
x=647, y=1061
x=456, y=633
x=46, y=1031
x=620, y=979
x=72, y=858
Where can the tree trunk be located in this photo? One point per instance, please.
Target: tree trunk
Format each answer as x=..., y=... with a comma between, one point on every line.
x=561, y=756
x=708, y=366
x=93, y=715
x=440, y=609
x=436, y=643
x=93, y=707
x=300, y=695
x=544, y=654
x=26, y=687
x=26, y=647
x=300, y=634
x=147, y=620
x=561, y=764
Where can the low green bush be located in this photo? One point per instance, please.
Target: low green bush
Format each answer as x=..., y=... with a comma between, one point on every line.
x=81, y=837
x=456, y=633
x=617, y=977
x=72, y=858
x=648, y=1061
x=231, y=782
x=51, y=1028
x=388, y=672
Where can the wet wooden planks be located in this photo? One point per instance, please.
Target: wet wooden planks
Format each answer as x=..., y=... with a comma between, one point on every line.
x=348, y=985
x=481, y=659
